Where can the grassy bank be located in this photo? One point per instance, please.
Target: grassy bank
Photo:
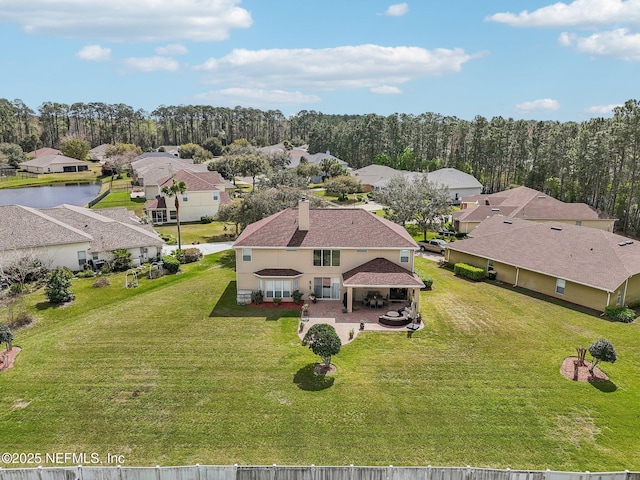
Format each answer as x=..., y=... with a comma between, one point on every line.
x=174, y=372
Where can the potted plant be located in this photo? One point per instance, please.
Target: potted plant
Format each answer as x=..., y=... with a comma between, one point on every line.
x=277, y=301
x=305, y=312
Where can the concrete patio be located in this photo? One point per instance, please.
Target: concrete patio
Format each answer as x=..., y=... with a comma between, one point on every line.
x=330, y=312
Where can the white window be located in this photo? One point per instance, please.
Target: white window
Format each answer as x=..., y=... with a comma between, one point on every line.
x=404, y=256
x=619, y=298
x=326, y=258
x=246, y=254
x=95, y=256
x=216, y=196
x=560, y=284
x=185, y=197
x=173, y=215
x=278, y=288
x=489, y=265
x=82, y=258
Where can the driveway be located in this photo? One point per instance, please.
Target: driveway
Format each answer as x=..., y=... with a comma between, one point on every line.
x=205, y=248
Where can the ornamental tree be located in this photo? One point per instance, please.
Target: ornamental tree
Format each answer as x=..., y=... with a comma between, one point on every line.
x=58, y=286
x=602, y=351
x=323, y=340
x=6, y=335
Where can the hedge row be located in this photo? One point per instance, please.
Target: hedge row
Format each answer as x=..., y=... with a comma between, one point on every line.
x=620, y=314
x=469, y=271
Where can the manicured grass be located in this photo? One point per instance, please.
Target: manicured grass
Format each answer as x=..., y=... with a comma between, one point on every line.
x=174, y=372
x=200, y=232
x=122, y=199
x=90, y=175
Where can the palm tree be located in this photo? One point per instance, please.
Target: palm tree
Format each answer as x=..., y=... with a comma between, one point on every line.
x=176, y=189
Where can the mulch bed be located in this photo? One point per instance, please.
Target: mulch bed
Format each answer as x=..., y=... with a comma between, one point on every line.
x=568, y=370
x=10, y=357
x=321, y=369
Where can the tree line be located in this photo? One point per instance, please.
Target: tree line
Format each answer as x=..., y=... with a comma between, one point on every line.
x=594, y=161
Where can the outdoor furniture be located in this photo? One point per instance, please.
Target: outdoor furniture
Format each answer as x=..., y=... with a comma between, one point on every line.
x=379, y=303
x=393, y=314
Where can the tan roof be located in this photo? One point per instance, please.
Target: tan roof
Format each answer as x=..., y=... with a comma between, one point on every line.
x=44, y=151
x=527, y=203
x=45, y=160
x=25, y=227
x=381, y=272
x=197, y=181
x=587, y=256
x=329, y=228
x=106, y=233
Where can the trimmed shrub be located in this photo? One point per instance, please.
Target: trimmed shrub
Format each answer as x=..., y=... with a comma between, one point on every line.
x=469, y=271
x=172, y=264
x=22, y=319
x=121, y=260
x=188, y=255
x=102, y=282
x=57, y=288
x=206, y=219
x=426, y=279
x=634, y=304
x=620, y=314
x=85, y=274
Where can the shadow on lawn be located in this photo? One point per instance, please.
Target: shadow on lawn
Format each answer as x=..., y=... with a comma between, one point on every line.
x=606, y=386
x=227, y=307
x=306, y=379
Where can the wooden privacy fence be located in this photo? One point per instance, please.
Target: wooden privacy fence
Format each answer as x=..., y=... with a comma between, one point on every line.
x=277, y=472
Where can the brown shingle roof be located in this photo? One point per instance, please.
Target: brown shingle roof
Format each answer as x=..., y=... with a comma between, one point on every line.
x=381, y=272
x=44, y=151
x=277, y=272
x=329, y=228
x=45, y=160
x=583, y=255
x=196, y=181
x=527, y=203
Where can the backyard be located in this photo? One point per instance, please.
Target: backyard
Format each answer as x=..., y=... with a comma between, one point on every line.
x=174, y=372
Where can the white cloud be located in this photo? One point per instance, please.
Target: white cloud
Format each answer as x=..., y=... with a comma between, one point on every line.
x=257, y=97
x=152, y=64
x=397, y=10
x=616, y=43
x=363, y=66
x=94, y=53
x=386, y=90
x=173, y=49
x=602, y=109
x=566, y=39
x=121, y=20
x=579, y=13
x=544, y=104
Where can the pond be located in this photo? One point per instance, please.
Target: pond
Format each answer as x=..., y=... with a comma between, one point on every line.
x=50, y=195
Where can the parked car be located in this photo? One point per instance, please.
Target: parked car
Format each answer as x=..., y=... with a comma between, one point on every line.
x=435, y=245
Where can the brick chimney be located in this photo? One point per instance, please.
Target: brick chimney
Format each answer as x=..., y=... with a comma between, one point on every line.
x=303, y=215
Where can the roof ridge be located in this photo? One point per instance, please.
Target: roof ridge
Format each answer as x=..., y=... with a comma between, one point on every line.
x=56, y=221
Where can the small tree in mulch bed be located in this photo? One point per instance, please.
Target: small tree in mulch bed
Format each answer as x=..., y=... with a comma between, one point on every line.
x=323, y=340
x=6, y=335
x=602, y=351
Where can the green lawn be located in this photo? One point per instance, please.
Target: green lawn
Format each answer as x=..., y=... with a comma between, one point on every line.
x=18, y=181
x=199, y=232
x=122, y=199
x=173, y=372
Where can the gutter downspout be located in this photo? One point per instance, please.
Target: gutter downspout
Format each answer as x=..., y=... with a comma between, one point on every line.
x=517, y=276
x=624, y=295
x=608, y=298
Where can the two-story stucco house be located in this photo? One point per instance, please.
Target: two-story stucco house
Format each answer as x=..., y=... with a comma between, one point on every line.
x=337, y=254
x=206, y=191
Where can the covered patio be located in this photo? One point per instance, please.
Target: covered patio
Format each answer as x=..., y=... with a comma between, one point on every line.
x=381, y=284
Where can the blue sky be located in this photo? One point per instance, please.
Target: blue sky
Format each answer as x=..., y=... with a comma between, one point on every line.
x=528, y=59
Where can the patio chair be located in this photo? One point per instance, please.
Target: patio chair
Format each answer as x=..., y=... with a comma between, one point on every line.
x=380, y=303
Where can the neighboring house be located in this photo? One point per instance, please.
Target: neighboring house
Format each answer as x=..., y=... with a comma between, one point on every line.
x=300, y=154
x=526, y=203
x=54, y=164
x=338, y=254
x=206, y=191
x=460, y=184
x=586, y=266
x=98, y=154
x=41, y=152
x=71, y=237
x=150, y=168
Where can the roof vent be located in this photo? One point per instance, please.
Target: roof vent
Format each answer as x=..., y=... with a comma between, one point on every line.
x=559, y=229
x=542, y=196
x=495, y=209
x=627, y=242
x=507, y=221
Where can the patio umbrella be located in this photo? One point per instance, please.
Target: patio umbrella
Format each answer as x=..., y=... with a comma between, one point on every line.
x=413, y=315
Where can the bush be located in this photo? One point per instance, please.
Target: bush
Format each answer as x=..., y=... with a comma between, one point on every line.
x=297, y=296
x=57, y=288
x=634, y=304
x=188, y=255
x=426, y=279
x=172, y=264
x=469, y=271
x=121, y=260
x=102, y=282
x=16, y=289
x=257, y=297
x=620, y=314
x=206, y=219
x=85, y=274
x=22, y=319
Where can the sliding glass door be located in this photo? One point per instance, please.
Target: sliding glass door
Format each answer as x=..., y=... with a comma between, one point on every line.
x=325, y=287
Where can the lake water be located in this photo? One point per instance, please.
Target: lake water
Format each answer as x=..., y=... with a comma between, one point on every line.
x=50, y=196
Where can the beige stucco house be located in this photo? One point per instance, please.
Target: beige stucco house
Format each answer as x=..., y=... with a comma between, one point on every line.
x=54, y=164
x=586, y=266
x=72, y=237
x=206, y=192
x=528, y=204
x=336, y=254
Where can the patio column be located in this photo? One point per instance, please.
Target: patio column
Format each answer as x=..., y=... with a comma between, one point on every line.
x=416, y=298
x=349, y=299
